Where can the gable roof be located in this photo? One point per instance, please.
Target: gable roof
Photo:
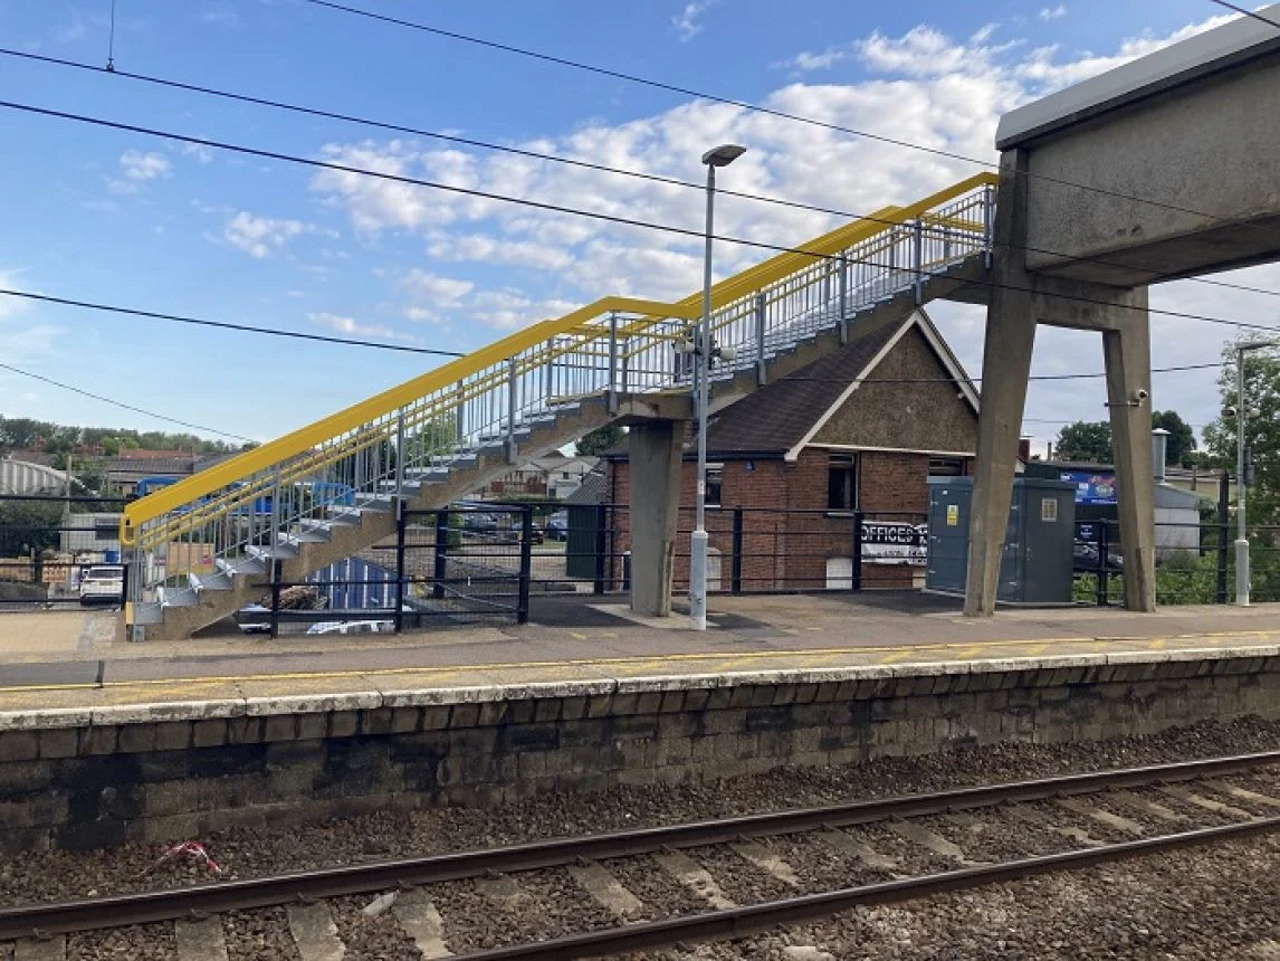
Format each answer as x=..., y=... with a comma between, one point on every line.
x=784, y=416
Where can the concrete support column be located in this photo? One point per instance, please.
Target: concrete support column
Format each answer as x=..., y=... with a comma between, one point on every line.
x=655, y=461
x=1128, y=357
x=1006, y=365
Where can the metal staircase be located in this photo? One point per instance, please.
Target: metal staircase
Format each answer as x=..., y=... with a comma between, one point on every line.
x=330, y=489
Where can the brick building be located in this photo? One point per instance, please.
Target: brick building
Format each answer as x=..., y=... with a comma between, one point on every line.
x=846, y=443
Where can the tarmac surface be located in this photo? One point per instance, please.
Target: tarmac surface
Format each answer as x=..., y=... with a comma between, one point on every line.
x=69, y=659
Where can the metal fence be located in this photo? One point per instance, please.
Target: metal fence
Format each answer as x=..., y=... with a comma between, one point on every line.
x=464, y=564
x=50, y=543
x=481, y=562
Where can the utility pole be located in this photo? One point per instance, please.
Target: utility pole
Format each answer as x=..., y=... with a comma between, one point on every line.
x=1242, y=529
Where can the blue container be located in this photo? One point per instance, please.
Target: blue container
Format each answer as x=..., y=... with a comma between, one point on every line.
x=111, y=557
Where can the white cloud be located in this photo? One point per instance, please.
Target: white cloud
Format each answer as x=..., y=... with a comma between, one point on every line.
x=260, y=237
x=144, y=166
x=925, y=87
x=688, y=22
x=435, y=291
x=353, y=328
x=1053, y=13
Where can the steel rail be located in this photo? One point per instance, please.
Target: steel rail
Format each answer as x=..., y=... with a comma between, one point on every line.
x=737, y=922
x=166, y=904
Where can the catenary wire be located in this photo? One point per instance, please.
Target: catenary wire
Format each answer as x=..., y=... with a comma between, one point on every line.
x=1180, y=368
x=120, y=403
x=226, y=325
x=543, y=156
x=747, y=105
x=1248, y=13
x=577, y=212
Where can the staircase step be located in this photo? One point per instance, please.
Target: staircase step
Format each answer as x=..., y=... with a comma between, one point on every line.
x=148, y=612
x=240, y=565
x=219, y=581
x=305, y=535
x=280, y=552
x=411, y=487
x=177, y=597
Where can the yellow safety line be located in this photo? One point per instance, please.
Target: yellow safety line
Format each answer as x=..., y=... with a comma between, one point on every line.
x=967, y=646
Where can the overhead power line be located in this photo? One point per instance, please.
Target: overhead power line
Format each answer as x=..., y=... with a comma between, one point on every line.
x=1181, y=368
x=1248, y=13
x=120, y=403
x=226, y=325
x=554, y=208
x=748, y=105
x=541, y=155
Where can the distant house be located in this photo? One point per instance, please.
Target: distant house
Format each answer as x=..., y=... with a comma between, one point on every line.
x=125, y=471
x=854, y=435
x=554, y=476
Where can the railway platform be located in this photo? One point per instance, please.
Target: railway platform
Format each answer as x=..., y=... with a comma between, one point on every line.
x=103, y=743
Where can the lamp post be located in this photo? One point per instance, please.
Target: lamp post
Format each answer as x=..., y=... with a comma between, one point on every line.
x=1242, y=415
x=720, y=156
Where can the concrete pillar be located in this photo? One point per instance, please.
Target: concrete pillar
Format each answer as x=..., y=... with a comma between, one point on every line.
x=1006, y=365
x=655, y=465
x=1128, y=357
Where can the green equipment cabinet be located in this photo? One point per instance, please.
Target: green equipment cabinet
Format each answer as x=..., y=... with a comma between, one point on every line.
x=1036, y=562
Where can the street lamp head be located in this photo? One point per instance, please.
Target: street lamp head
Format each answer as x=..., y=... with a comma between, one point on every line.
x=1257, y=344
x=723, y=155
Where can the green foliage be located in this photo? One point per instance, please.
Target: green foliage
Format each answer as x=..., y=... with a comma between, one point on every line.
x=27, y=526
x=599, y=440
x=60, y=439
x=1262, y=431
x=1086, y=441
x=1182, y=439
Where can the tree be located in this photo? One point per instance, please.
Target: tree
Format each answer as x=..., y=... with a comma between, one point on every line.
x=1262, y=427
x=598, y=441
x=1182, y=439
x=1085, y=440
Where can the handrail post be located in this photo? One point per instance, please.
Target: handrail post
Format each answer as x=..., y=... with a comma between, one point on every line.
x=988, y=210
x=626, y=364
x=917, y=257
x=762, y=376
x=512, y=380
x=275, y=512
x=844, y=299
x=400, y=455
x=612, y=395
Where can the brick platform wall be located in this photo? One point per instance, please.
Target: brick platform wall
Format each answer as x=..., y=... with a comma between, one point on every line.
x=84, y=779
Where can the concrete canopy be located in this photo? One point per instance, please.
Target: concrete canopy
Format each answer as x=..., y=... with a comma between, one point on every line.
x=1191, y=131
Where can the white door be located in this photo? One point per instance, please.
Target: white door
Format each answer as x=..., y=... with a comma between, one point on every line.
x=839, y=573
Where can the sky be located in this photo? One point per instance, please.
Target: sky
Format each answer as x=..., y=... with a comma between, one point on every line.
x=134, y=220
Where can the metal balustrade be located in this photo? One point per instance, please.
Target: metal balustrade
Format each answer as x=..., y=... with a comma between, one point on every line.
x=264, y=505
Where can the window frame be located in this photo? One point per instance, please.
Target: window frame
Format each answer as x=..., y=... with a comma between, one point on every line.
x=849, y=465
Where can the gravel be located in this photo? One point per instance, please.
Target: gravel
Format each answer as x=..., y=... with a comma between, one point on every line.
x=552, y=904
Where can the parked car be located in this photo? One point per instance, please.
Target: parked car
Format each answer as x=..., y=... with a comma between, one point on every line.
x=558, y=526
x=102, y=583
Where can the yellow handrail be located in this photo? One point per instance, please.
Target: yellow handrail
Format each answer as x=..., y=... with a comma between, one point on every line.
x=689, y=308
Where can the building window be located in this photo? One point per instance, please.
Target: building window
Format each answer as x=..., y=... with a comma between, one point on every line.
x=715, y=482
x=946, y=466
x=842, y=482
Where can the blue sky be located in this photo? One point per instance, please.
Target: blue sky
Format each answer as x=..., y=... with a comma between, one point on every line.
x=132, y=220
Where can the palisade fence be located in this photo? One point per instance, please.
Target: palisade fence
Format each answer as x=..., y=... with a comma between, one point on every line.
x=487, y=562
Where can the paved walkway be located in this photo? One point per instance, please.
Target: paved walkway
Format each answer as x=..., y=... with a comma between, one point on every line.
x=68, y=659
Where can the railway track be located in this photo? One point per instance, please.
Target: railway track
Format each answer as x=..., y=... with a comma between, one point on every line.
x=609, y=894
